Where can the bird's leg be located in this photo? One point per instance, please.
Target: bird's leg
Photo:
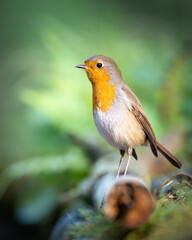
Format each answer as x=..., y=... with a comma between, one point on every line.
x=122, y=152
x=129, y=152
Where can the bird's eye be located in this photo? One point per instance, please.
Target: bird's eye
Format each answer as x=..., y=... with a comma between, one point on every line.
x=99, y=65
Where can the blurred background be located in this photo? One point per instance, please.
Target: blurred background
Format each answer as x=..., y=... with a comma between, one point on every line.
x=48, y=138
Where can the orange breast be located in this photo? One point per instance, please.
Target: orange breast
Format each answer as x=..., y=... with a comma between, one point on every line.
x=104, y=92
x=103, y=96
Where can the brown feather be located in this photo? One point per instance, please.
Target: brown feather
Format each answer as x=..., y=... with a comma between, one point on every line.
x=143, y=120
x=170, y=157
x=139, y=114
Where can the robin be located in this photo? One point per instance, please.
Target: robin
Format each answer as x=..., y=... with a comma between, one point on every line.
x=118, y=113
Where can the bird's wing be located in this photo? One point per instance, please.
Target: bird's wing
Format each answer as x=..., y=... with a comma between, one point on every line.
x=139, y=114
x=143, y=120
x=134, y=154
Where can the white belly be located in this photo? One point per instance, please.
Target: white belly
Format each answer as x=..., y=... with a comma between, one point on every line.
x=119, y=127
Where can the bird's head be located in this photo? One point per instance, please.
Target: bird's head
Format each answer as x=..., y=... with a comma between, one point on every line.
x=101, y=69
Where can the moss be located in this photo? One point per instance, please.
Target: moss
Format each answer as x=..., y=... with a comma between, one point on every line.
x=171, y=220
x=95, y=226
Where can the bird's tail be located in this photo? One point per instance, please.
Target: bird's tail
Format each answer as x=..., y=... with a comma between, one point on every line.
x=170, y=157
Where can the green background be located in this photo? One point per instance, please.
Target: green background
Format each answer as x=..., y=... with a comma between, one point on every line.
x=45, y=103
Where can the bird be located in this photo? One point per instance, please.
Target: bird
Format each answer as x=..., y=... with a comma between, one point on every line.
x=118, y=113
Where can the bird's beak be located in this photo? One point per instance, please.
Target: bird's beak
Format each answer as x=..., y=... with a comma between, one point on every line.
x=81, y=66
